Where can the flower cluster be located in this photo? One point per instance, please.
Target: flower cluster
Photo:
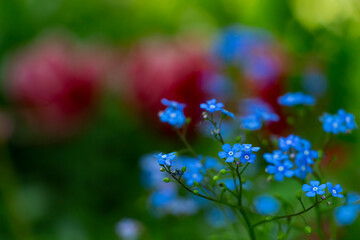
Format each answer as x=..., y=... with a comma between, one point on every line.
x=292, y=150
x=257, y=112
x=342, y=122
x=245, y=153
x=315, y=188
x=173, y=114
x=298, y=98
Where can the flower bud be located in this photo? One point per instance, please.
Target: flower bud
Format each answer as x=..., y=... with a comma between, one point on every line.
x=238, y=139
x=238, y=163
x=268, y=218
x=298, y=195
x=183, y=169
x=166, y=180
x=307, y=229
x=323, y=197
x=162, y=169
x=270, y=178
x=188, y=120
x=223, y=171
x=215, y=178
x=329, y=203
x=205, y=115
x=196, y=192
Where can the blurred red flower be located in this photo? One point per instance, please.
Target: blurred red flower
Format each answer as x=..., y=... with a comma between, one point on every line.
x=55, y=83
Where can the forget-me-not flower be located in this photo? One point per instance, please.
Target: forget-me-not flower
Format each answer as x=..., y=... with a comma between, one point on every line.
x=212, y=106
x=247, y=155
x=298, y=98
x=280, y=169
x=230, y=153
x=335, y=190
x=314, y=188
x=166, y=159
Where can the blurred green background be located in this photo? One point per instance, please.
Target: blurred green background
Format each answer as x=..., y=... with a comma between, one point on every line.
x=78, y=186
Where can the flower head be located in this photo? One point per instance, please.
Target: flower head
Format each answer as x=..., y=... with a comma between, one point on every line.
x=314, y=188
x=335, y=191
x=173, y=114
x=298, y=98
x=212, y=106
x=227, y=113
x=166, y=159
x=247, y=155
x=251, y=122
x=305, y=152
x=280, y=169
x=230, y=153
x=292, y=141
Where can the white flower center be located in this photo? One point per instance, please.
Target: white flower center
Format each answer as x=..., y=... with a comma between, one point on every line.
x=247, y=157
x=276, y=156
x=163, y=156
x=303, y=168
x=292, y=155
x=288, y=142
x=173, y=115
x=334, y=191
x=212, y=106
x=281, y=168
x=306, y=152
x=315, y=189
x=231, y=153
x=335, y=124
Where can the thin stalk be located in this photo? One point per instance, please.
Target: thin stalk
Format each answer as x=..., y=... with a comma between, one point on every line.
x=290, y=215
x=186, y=143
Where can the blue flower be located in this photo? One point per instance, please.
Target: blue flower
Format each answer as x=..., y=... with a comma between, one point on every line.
x=251, y=122
x=292, y=141
x=314, y=188
x=173, y=114
x=194, y=169
x=266, y=205
x=212, y=106
x=298, y=98
x=260, y=109
x=305, y=152
x=335, y=191
x=280, y=169
x=342, y=122
x=128, y=229
x=227, y=113
x=247, y=155
x=166, y=159
x=276, y=156
x=346, y=215
x=230, y=153
x=173, y=104
x=302, y=168
x=348, y=119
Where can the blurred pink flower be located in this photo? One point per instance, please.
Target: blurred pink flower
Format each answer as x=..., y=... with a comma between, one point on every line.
x=55, y=83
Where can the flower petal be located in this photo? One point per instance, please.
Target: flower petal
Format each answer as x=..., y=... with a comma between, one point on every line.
x=230, y=159
x=310, y=194
x=306, y=188
x=226, y=147
x=222, y=154
x=314, y=183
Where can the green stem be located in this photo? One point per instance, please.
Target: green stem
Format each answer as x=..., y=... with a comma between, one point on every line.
x=248, y=224
x=289, y=216
x=186, y=143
